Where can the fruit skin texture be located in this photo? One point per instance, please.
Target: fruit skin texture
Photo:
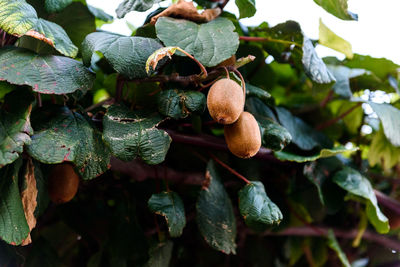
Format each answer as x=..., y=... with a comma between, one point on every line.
x=243, y=137
x=62, y=183
x=225, y=101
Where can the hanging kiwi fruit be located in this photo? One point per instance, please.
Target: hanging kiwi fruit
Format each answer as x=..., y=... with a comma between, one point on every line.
x=62, y=183
x=225, y=101
x=243, y=137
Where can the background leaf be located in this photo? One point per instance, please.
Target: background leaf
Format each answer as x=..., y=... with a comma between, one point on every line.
x=334, y=245
x=247, y=8
x=382, y=151
x=53, y=6
x=17, y=17
x=169, y=205
x=389, y=117
x=133, y=133
x=215, y=216
x=45, y=74
x=210, y=43
x=160, y=255
x=179, y=104
x=337, y=8
x=134, y=5
x=329, y=39
x=323, y=153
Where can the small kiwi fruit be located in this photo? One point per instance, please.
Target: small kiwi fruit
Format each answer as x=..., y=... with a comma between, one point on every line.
x=243, y=137
x=225, y=101
x=62, y=183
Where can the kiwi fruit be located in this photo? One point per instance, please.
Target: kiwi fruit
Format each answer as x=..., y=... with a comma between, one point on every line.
x=225, y=101
x=62, y=183
x=243, y=137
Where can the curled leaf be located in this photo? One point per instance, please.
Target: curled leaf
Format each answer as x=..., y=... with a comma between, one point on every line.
x=159, y=54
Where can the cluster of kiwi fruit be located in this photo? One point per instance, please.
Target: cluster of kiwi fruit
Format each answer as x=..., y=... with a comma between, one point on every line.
x=62, y=183
x=225, y=102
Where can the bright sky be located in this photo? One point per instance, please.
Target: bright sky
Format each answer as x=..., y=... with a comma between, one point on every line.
x=376, y=32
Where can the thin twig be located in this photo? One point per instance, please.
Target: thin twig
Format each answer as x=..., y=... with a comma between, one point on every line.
x=39, y=99
x=335, y=120
x=328, y=98
x=108, y=101
x=203, y=69
x=226, y=72
x=265, y=39
x=229, y=169
x=242, y=79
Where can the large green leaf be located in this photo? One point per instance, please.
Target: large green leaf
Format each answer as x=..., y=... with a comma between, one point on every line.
x=247, y=8
x=381, y=67
x=337, y=8
x=389, y=117
x=334, y=245
x=356, y=184
x=329, y=39
x=13, y=226
x=169, y=205
x=53, y=6
x=63, y=135
x=302, y=134
x=45, y=74
x=215, y=216
x=256, y=208
x=127, y=55
x=134, y=5
x=383, y=152
x=133, y=133
x=210, y=43
x=323, y=153
x=15, y=126
x=24, y=21
x=17, y=17
x=179, y=104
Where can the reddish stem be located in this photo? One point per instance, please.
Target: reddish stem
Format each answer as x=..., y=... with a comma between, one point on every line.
x=229, y=169
x=335, y=120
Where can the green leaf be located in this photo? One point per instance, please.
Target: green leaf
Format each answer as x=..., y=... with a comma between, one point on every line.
x=134, y=5
x=356, y=184
x=54, y=35
x=389, y=117
x=354, y=119
x=53, y=6
x=256, y=208
x=314, y=67
x=383, y=152
x=210, y=43
x=302, y=134
x=247, y=8
x=215, y=216
x=169, y=205
x=179, y=104
x=63, y=135
x=160, y=255
x=337, y=8
x=45, y=74
x=15, y=126
x=133, y=133
x=381, y=67
x=259, y=109
x=343, y=75
x=274, y=136
x=100, y=14
x=334, y=245
x=323, y=153
x=127, y=55
x=17, y=17
x=13, y=226
x=329, y=39
x=254, y=91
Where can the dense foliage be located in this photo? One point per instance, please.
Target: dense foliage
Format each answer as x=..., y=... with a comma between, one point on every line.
x=158, y=185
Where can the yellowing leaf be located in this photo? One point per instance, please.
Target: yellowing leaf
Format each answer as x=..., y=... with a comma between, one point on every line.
x=383, y=152
x=329, y=39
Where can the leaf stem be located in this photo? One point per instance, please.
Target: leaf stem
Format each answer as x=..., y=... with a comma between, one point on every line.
x=266, y=39
x=334, y=120
x=229, y=169
x=242, y=79
x=203, y=73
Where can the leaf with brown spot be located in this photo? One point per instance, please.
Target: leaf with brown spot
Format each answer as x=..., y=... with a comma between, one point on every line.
x=187, y=10
x=159, y=54
x=28, y=196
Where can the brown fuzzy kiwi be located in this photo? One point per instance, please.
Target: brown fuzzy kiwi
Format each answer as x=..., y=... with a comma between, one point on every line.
x=243, y=137
x=225, y=101
x=228, y=62
x=62, y=183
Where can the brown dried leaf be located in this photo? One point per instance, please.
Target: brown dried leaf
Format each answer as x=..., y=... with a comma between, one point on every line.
x=187, y=10
x=29, y=196
x=39, y=36
x=159, y=54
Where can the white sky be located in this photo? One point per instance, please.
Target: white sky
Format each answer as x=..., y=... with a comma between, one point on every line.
x=376, y=32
